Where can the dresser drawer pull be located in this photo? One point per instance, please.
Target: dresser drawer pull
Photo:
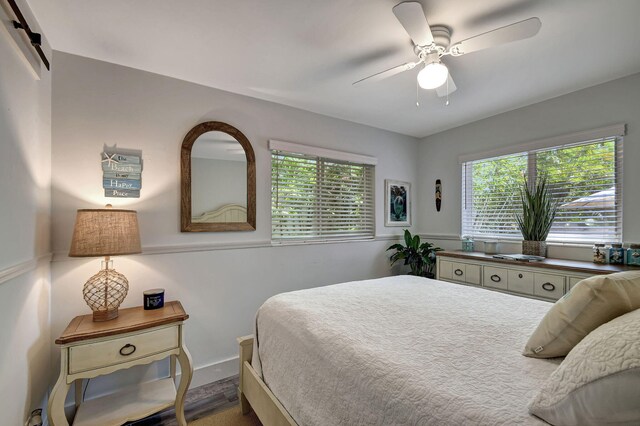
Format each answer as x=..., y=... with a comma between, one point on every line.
x=127, y=349
x=458, y=272
x=548, y=287
x=519, y=275
x=496, y=278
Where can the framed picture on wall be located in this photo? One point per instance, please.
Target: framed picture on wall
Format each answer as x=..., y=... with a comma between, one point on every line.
x=397, y=203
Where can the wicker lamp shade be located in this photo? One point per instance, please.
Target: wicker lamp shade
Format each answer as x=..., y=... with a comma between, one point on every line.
x=105, y=232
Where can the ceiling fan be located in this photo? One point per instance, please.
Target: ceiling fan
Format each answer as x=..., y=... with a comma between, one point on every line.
x=432, y=43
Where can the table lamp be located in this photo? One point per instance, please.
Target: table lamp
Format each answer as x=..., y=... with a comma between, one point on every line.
x=105, y=232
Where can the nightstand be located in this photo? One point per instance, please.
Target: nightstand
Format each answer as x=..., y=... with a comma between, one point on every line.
x=90, y=349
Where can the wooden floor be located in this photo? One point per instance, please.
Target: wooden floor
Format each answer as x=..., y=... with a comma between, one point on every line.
x=200, y=402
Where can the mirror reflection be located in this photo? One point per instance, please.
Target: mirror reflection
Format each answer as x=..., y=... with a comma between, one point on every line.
x=218, y=179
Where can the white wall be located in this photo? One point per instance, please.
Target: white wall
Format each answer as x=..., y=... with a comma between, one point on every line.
x=617, y=101
x=220, y=283
x=216, y=183
x=25, y=158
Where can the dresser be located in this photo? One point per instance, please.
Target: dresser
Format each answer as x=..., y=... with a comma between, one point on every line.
x=548, y=280
x=136, y=337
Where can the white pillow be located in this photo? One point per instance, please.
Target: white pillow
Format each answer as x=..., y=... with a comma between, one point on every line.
x=598, y=383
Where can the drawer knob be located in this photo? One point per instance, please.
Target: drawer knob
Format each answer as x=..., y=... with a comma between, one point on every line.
x=519, y=275
x=127, y=349
x=548, y=287
x=458, y=272
x=496, y=278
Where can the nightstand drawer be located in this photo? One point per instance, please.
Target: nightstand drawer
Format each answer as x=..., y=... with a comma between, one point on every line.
x=122, y=349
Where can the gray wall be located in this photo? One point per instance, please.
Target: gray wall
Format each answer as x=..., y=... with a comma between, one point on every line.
x=617, y=101
x=25, y=160
x=221, y=278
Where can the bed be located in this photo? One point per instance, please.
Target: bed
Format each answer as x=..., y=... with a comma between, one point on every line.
x=226, y=213
x=393, y=351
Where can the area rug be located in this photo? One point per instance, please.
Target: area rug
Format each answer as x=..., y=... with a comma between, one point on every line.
x=230, y=417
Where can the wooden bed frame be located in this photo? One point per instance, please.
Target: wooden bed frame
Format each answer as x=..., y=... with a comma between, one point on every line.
x=254, y=393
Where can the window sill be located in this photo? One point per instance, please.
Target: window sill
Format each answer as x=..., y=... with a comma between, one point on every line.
x=549, y=243
x=336, y=241
x=456, y=237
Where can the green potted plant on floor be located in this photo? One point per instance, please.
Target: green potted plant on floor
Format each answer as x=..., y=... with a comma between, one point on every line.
x=421, y=258
x=538, y=212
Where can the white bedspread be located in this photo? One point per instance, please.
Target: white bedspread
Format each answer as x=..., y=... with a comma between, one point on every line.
x=401, y=351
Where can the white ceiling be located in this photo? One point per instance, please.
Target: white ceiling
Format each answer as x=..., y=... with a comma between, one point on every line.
x=306, y=53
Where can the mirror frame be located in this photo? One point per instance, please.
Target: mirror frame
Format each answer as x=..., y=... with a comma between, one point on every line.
x=186, y=225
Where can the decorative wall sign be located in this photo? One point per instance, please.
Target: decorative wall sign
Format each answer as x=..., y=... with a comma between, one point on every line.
x=122, y=174
x=438, y=194
x=397, y=200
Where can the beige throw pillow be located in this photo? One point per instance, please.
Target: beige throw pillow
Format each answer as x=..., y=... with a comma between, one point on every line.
x=598, y=383
x=591, y=303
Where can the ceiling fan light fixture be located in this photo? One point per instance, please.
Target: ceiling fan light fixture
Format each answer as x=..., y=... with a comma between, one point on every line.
x=433, y=75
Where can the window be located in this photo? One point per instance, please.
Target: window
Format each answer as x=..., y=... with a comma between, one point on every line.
x=584, y=177
x=319, y=198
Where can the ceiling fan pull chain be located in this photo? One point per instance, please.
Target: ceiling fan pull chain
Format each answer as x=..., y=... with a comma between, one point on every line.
x=447, y=103
x=417, y=95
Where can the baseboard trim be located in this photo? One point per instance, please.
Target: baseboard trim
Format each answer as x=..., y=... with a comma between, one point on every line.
x=22, y=268
x=215, y=371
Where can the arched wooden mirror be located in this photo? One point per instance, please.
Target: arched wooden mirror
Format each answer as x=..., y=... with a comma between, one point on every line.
x=218, y=180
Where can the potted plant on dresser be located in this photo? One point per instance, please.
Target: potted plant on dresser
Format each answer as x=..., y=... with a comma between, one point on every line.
x=538, y=212
x=421, y=258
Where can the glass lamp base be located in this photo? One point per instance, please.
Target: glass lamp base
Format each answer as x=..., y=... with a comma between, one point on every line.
x=104, y=292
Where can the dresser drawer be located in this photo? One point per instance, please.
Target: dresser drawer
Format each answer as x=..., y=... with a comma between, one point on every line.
x=109, y=352
x=549, y=286
x=520, y=281
x=445, y=269
x=461, y=272
x=573, y=281
x=458, y=271
x=472, y=274
x=495, y=277
x=453, y=270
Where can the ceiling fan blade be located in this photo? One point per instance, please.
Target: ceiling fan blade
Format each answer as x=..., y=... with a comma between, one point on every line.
x=412, y=17
x=518, y=31
x=388, y=73
x=447, y=88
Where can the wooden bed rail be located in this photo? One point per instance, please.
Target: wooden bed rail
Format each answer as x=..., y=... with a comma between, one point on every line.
x=254, y=393
x=246, y=352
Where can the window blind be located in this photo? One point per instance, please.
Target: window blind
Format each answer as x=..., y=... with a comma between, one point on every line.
x=585, y=179
x=317, y=198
